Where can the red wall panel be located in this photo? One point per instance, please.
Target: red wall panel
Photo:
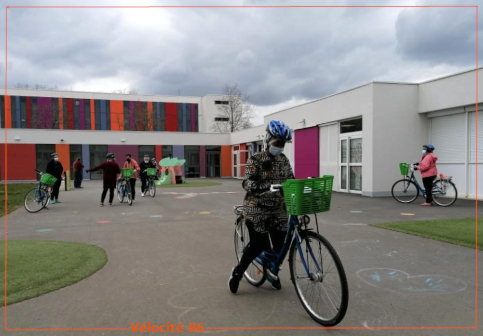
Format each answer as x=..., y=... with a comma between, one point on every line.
x=171, y=117
x=21, y=161
x=70, y=112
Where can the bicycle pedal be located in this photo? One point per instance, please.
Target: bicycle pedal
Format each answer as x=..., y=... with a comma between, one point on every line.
x=272, y=276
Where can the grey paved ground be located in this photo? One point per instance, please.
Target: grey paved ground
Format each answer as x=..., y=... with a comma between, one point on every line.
x=170, y=257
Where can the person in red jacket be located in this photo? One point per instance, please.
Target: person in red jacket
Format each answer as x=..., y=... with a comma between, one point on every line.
x=78, y=168
x=110, y=171
x=427, y=167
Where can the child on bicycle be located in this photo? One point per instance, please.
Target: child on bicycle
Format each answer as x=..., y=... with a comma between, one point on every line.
x=144, y=174
x=427, y=167
x=109, y=178
x=264, y=211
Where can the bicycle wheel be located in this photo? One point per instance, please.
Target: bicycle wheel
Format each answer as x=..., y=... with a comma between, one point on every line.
x=322, y=287
x=254, y=273
x=121, y=191
x=404, y=191
x=128, y=194
x=444, y=192
x=152, y=188
x=35, y=200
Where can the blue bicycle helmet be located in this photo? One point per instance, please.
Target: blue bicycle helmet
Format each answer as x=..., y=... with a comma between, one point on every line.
x=429, y=146
x=277, y=130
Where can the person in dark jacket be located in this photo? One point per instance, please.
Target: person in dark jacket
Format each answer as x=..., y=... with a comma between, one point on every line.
x=110, y=171
x=78, y=173
x=54, y=168
x=144, y=175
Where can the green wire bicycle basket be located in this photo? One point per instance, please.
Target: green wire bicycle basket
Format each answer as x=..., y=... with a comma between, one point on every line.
x=152, y=171
x=303, y=197
x=127, y=172
x=404, y=168
x=48, y=179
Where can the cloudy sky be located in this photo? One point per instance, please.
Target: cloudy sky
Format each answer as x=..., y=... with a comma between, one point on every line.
x=280, y=57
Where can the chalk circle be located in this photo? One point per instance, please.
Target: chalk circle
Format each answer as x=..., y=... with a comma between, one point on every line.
x=356, y=211
x=204, y=212
x=156, y=216
x=406, y=214
x=103, y=222
x=44, y=230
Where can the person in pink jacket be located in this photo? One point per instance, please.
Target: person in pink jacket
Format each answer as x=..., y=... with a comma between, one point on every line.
x=427, y=166
x=131, y=163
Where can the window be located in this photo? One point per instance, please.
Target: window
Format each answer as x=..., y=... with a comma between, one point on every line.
x=55, y=112
x=147, y=149
x=167, y=150
x=192, y=165
x=353, y=125
x=97, y=113
x=221, y=102
x=108, y=114
x=64, y=113
x=162, y=120
x=75, y=151
x=43, y=153
x=222, y=119
x=97, y=156
x=76, y=114
x=87, y=113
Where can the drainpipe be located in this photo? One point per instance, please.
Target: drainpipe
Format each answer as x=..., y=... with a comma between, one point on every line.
x=467, y=153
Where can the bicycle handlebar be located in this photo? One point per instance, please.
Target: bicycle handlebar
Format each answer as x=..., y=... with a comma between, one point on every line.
x=275, y=187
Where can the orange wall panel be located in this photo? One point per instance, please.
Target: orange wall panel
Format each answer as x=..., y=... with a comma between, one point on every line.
x=8, y=112
x=117, y=115
x=61, y=114
x=150, y=116
x=93, y=116
x=64, y=156
x=226, y=164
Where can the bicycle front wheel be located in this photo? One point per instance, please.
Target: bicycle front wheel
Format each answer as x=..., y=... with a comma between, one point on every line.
x=254, y=273
x=404, y=191
x=319, y=279
x=444, y=193
x=35, y=200
x=152, y=188
x=121, y=191
x=128, y=194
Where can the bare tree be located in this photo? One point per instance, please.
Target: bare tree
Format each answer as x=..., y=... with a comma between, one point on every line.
x=142, y=119
x=132, y=91
x=35, y=86
x=234, y=113
x=45, y=117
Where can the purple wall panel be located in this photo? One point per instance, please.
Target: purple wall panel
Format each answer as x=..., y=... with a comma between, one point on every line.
x=82, y=116
x=120, y=152
x=307, y=153
x=202, y=161
x=44, y=112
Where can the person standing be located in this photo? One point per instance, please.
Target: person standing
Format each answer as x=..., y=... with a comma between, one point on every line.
x=427, y=167
x=55, y=168
x=78, y=168
x=131, y=163
x=144, y=174
x=109, y=178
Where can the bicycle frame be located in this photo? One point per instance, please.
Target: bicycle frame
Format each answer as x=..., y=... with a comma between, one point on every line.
x=435, y=187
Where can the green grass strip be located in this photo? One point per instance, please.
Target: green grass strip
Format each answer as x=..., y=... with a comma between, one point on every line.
x=455, y=231
x=16, y=196
x=39, y=267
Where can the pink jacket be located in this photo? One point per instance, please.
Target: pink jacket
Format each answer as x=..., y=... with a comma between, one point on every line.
x=427, y=166
x=133, y=164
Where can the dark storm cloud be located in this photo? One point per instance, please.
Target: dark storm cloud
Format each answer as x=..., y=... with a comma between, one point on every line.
x=273, y=54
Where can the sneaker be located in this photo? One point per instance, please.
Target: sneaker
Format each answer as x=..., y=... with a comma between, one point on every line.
x=142, y=194
x=110, y=204
x=274, y=280
x=58, y=201
x=102, y=204
x=426, y=204
x=52, y=202
x=234, y=281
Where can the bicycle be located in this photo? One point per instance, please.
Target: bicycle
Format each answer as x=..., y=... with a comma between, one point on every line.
x=39, y=197
x=124, y=187
x=315, y=268
x=151, y=185
x=408, y=189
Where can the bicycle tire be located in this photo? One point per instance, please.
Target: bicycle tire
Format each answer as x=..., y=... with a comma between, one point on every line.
x=404, y=191
x=254, y=273
x=35, y=200
x=128, y=194
x=445, y=186
x=152, y=188
x=120, y=192
x=315, y=288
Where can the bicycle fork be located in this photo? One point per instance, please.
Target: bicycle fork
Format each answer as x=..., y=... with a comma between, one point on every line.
x=318, y=275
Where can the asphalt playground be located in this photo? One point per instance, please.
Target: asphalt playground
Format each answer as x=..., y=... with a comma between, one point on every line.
x=169, y=260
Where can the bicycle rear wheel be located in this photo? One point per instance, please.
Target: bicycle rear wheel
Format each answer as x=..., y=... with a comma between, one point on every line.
x=254, y=273
x=404, y=191
x=322, y=286
x=444, y=192
x=152, y=188
x=35, y=200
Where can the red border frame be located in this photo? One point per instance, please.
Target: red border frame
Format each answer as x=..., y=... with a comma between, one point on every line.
x=280, y=328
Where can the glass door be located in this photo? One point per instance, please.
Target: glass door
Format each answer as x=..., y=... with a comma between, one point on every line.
x=350, y=162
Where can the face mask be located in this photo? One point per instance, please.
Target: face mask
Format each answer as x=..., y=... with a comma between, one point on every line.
x=128, y=160
x=275, y=151
x=56, y=159
x=146, y=161
x=423, y=152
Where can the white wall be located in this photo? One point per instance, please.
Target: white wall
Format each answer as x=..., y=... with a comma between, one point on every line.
x=398, y=135
x=208, y=112
x=248, y=135
x=452, y=91
x=114, y=137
